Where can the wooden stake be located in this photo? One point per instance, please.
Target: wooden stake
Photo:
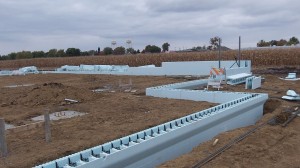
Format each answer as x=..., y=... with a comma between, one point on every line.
x=47, y=127
x=3, y=145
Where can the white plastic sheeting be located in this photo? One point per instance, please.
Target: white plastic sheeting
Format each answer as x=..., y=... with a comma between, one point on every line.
x=291, y=95
x=25, y=70
x=20, y=71
x=103, y=67
x=94, y=68
x=120, y=68
x=68, y=68
x=87, y=67
x=9, y=126
x=17, y=72
x=22, y=85
x=291, y=77
x=147, y=66
x=29, y=69
x=4, y=73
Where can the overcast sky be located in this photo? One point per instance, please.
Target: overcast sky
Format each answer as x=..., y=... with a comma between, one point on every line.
x=86, y=24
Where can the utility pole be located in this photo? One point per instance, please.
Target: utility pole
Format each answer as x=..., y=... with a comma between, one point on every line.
x=239, y=51
x=219, y=52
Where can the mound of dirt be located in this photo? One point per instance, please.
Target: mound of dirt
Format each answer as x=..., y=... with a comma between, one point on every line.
x=50, y=93
x=54, y=85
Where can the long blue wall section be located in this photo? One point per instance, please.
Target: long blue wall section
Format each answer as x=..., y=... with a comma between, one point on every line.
x=154, y=146
x=193, y=68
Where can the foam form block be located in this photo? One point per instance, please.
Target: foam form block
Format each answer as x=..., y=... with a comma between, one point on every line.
x=174, y=138
x=194, y=68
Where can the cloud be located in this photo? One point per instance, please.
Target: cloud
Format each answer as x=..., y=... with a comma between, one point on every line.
x=42, y=24
x=183, y=6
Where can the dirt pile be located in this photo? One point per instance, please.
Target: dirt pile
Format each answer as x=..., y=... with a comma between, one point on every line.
x=48, y=93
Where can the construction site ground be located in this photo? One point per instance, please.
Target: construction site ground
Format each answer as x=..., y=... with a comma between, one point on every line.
x=119, y=111
x=269, y=146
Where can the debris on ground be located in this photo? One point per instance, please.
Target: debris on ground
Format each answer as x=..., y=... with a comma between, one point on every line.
x=291, y=77
x=59, y=115
x=9, y=126
x=291, y=95
x=71, y=101
x=14, y=86
x=215, y=142
x=285, y=116
x=100, y=90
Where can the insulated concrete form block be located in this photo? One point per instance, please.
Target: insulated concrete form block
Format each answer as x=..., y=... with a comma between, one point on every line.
x=153, y=92
x=177, y=91
x=234, y=71
x=85, y=72
x=210, y=96
x=205, y=64
x=199, y=96
x=171, y=139
x=189, y=85
x=238, y=78
x=253, y=82
x=248, y=84
x=195, y=96
x=153, y=146
x=170, y=93
x=193, y=67
x=150, y=91
x=185, y=85
x=256, y=83
x=157, y=71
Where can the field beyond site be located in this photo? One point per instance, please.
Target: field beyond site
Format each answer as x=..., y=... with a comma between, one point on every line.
x=271, y=57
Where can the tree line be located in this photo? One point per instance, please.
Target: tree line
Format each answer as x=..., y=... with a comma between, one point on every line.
x=281, y=42
x=71, y=52
x=148, y=49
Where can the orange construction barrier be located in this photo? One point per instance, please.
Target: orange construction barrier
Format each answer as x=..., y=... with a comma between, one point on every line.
x=217, y=71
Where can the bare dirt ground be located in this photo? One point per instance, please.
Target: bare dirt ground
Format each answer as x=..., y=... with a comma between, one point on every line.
x=269, y=147
x=112, y=115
